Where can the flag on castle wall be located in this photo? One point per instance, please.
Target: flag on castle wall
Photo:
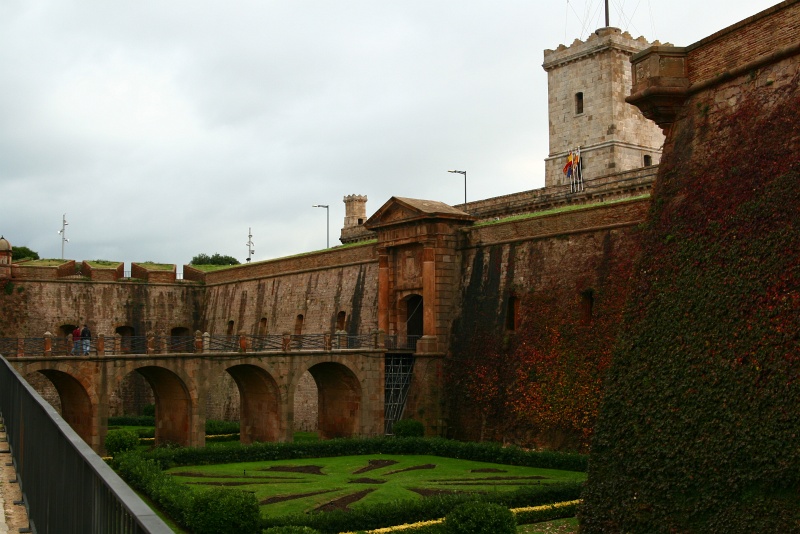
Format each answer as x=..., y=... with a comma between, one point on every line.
x=568, y=167
x=574, y=170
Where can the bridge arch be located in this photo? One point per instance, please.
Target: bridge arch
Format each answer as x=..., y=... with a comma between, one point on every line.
x=176, y=407
x=339, y=400
x=260, y=404
x=77, y=407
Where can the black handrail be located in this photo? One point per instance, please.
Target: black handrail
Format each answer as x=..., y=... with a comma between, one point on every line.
x=66, y=487
x=55, y=346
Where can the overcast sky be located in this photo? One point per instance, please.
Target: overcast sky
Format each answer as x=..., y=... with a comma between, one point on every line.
x=167, y=128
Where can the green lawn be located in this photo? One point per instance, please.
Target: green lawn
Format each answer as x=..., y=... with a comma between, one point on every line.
x=290, y=486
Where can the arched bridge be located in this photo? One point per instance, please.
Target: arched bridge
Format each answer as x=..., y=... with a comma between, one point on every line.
x=350, y=385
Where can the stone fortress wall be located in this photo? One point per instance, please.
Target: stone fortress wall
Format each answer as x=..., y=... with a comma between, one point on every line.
x=563, y=252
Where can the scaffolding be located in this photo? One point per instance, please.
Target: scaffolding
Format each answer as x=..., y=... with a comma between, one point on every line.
x=398, y=371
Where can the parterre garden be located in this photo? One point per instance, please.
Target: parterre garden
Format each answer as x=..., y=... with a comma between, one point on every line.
x=354, y=485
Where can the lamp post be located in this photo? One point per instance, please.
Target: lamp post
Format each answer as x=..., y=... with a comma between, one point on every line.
x=465, y=185
x=63, y=233
x=327, y=224
x=250, y=244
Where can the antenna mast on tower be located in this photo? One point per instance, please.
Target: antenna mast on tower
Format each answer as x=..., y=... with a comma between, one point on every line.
x=608, y=24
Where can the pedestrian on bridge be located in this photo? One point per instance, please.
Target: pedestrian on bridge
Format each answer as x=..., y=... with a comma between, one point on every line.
x=76, y=340
x=86, y=337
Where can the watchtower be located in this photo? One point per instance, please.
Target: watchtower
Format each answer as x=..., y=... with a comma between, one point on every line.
x=587, y=83
x=355, y=215
x=5, y=258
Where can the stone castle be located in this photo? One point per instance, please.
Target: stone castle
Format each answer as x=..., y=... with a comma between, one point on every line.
x=414, y=269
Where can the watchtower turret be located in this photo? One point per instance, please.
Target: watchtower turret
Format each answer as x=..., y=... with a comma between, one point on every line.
x=587, y=83
x=5, y=258
x=355, y=214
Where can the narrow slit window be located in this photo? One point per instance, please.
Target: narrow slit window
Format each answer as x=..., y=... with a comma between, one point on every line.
x=578, y=103
x=648, y=160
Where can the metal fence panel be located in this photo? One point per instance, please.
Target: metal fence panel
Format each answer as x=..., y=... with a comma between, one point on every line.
x=66, y=486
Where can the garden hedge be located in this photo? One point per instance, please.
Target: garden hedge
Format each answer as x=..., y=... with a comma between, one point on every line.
x=479, y=452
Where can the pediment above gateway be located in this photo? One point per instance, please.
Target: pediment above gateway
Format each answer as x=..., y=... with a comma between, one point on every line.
x=398, y=210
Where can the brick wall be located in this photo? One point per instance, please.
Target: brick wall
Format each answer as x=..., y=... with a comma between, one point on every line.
x=102, y=274
x=623, y=213
x=760, y=35
x=159, y=276
x=316, y=294
x=47, y=306
x=302, y=262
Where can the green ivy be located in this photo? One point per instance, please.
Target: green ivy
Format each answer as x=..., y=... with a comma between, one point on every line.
x=698, y=431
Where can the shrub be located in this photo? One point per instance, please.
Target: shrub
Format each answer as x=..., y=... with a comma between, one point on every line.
x=214, y=427
x=146, y=432
x=173, y=497
x=118, y=441
x=408, y=428
x=149, y=409
x=479, y=518
x=222, y=510
x=291, y=530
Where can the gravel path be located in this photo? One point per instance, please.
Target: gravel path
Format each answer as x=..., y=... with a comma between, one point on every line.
x=14, y=517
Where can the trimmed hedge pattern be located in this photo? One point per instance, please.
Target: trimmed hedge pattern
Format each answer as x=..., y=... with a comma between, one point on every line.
x=144, y=472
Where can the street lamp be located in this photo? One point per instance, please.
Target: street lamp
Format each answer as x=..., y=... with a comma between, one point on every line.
x=465, y=185
x=63, y=233
x=327, y=225
x=250, y=244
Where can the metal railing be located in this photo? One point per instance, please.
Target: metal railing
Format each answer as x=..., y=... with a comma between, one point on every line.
x=66, y=487
x=50, y=346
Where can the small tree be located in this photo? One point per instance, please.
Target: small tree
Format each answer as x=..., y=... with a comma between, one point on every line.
x=216, y=259
x=22, y=253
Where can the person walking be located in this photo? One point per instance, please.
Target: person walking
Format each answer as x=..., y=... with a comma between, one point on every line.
x=86, y=337
x=76, y=340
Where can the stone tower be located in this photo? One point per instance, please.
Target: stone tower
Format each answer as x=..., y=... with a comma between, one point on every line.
x=355, y=215
x=5, y=258
x=587, y=83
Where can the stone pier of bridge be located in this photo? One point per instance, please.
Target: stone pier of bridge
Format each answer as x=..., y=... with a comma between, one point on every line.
x=350, y=387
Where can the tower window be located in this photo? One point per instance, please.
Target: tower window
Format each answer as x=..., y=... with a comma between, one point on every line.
x=578, y=103
x=648, y=160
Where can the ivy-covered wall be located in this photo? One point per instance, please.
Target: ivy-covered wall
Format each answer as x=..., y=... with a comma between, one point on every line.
x=699, y=430
x=532, y=341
